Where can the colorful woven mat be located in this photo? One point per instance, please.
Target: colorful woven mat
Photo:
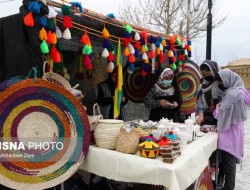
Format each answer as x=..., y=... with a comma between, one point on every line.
x=53, y=128
x=136, y=85
x=188, y=82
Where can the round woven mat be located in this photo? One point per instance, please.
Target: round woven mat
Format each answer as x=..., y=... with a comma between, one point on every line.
x=137, y=85
x=45, y=114
x=188, y=82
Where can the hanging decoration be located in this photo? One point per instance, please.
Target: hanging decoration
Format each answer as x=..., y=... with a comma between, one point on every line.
x=67, y=22
x=144, y=52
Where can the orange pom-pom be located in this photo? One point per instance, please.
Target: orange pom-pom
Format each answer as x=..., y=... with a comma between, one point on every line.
x=126, y=51
x=170, y=53
x=143, y=49
x=43, y=34
x=172, y=40
x=157, y=51
x=54, y=39
x=164, y=43
x=29, y=20
x=67, y=22
x=131, y=58
x=105, y=33
x=50, y=37
x=85, y=39
x=146, y=61
x=189, y=48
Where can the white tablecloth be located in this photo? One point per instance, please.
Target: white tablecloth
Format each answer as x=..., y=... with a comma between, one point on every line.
x=133, y=168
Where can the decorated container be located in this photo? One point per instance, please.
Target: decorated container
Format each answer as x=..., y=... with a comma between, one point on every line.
x=149, y=149
x=171, y=136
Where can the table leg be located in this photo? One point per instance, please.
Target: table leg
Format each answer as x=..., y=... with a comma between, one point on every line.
x=62, y=186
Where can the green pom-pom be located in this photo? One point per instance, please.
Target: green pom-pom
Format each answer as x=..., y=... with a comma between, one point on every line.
x=157, y=59
x=51, y=24
x=160, y=66
x=86, y=50
x=183, y=51
x=128, y=28
x=174, y=67
x=178, y=40
x=44, y=47
x=66, y=10
x=58, y=46
x=179, y=63
x=111, y=47
x=146, y=47
x=113, y=52
x=164, y=49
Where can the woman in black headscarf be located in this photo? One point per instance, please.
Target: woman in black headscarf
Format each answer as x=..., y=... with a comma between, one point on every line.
x=209, y=94
x=105, y=97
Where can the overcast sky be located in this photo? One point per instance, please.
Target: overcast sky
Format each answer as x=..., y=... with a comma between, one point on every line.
x=229, y=42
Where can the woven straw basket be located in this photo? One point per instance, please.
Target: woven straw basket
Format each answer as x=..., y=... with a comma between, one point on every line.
x=106, y=133
x=94, y=119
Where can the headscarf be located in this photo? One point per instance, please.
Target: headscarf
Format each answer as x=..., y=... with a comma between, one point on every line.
x=209, y=88
x=232, y=109
x=166, y=72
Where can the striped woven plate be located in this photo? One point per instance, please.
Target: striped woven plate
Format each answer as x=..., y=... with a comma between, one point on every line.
x=53, y=128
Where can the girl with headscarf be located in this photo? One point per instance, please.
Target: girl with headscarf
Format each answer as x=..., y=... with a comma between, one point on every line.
x=231, y=114
x=209, y=94
x=164, y=98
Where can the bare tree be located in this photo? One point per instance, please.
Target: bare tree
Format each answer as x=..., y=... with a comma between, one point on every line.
x=186, y=17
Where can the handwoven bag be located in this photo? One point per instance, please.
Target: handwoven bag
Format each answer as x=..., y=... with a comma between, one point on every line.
x=128, y=142
x=94, y=119
x=106, y=133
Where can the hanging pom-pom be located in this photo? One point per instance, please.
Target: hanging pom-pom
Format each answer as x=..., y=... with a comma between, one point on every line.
x=179, y=69
x=53, y=52
x=66, y=34
x=146, y=61
x=127, y=35
x=85, y=39
x=174, y=67
x=78, y=5
x=146, y=47
x=87, y=62
x=54, y=39
x=151, y=40
x=86, y=50
x=157, y=51
x=137, y=36
x=34, y=7
x=174, y=59
x=161, y=47
x=111, y=57
x=172, y=40
x=110, y=67
x=143, y=49
x=44, y=47
x=179, y=63
x=111, y=47
x=105, y=33
x=51, y=25
x=67, y=22
x=43, y=21
x=142, y=41
x=178, y=40
x=131, y=67
x=137, y=45
x=50, y=37
x=58, y=33
x=170, y=53
x=157, y=43
x=164, y=42
x=126, y=51
x=189, y=54
x=52, y=12
x=183, y=65
x=66, y=10
x=58, y=46
x=131, y=48
x=131, y=58
x=162, y=58
x=105, y=43
x=144, y=34
x=153, y=47
x=189, y=42
x=125, y=41
x=170, y=60
x=143, y=72
x=57, y=58
x=29, y=20
x=137, y=53
x=151, y=54
x=128, y=28
x=189, y=48
x=105, y=53
x=43, y=34
x=144, y=56
x=182, y=57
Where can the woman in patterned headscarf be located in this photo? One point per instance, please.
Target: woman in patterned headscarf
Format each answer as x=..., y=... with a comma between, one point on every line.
x=209, y=94
x=164, y=98
x=231, y=114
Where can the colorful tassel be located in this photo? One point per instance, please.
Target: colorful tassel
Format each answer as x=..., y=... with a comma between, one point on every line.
x=52, y=12
x=144, y=56
x=110, y=67
x=131, y=48
x=67, y=22
x=29, y=20
x=126, y=51
x=87, y=62
x=66, y=10
x=137, y=53
x=131, y=67
x=151, y=54
x=85, y=39
x=137, y=36
x=111, y=47
x=105, y=33
x=128, y=28
x=86, y=50
x=43, y=21
x=50, y=37
x=131, y=58
x=44, y=47
x=143, y=49
x=174, y=67
x=66, y=34
x=53, y=52
x=137, y=45
x=34, y=7
x=153, y=47
x=111, y=57
x=57, y=58
x=105, y=53
x=58, y=33
x=43, y=34
x=164, y=42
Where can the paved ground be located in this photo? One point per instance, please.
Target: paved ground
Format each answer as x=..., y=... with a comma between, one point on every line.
x=243, y=173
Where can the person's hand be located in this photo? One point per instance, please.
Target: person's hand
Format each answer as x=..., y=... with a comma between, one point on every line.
x=164, y=103
x=175, y=104
x=218, y=105
x=200, y=119
x=123, y=99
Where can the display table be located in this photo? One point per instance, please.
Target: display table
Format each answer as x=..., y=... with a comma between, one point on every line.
x=133, y=168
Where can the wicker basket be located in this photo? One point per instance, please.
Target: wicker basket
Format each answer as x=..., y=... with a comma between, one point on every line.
x=106, y=133
x=55, y=78
x=94, y=119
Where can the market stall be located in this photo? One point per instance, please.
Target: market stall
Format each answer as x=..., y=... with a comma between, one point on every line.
x=133, y=168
